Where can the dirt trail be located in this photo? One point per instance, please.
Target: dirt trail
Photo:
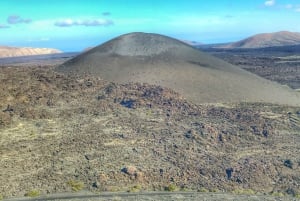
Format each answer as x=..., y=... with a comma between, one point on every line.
x=153, y=196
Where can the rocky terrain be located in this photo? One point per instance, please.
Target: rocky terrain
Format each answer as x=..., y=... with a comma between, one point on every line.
x=282, y=38
x=6, y=51
x=279, y=64
x=63, y=133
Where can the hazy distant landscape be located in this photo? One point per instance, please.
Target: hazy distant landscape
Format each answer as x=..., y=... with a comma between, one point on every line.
x=24, y=51
x=265, y=40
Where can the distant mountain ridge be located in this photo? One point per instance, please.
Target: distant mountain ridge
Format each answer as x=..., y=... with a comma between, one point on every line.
x=6, y=51
x=282, y=38
x=192, y=43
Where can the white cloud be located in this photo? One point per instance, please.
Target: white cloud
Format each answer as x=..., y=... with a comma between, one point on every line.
x=85, y=22
x=38, y=40
x=106, y=13
x=289, y=6
x=297, y=10
x=270, y=3
x=16, y=19
x=3, y=26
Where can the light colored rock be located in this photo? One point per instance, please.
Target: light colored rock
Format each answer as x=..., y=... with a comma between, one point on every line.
x=6, y=51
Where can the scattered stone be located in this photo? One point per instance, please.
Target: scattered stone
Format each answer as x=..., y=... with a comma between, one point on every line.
x=229, y=173
x=288, y=163
x=189, y=134
x=129, y=103
x=130, y=170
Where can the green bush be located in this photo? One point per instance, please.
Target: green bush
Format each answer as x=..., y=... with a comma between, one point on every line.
x=134, y=189
x=244, y=192
x=33, y=193
x=171, y=187
x=203, y=190
x=277, y=194
x=1, y=197
x=76, y=185
x=185, y=189
x=213, y=190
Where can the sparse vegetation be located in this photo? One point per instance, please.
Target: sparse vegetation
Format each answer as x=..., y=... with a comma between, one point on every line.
x=1, y=197
x=113, y=189
x=185, y=189
x=76, y=185
x=33, y=193
x=171, y=188
x=277, y=194
x=244, y=191
x=135, y=188
x=203, y=190
x=214, y=190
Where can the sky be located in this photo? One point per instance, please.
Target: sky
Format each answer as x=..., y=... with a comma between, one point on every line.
x=73, y=25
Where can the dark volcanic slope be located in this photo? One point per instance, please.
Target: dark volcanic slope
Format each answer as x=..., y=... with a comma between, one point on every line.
x=282, y=38
x=157, y=59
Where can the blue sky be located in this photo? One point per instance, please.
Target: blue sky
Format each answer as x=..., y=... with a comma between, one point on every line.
x=72, y=25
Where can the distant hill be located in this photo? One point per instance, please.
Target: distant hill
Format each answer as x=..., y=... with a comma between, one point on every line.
x=192, y=43
x=164, y=61
x=6, y=51
x=282, y=38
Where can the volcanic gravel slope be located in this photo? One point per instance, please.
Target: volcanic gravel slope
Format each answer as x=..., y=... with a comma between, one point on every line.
x=160, y=60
